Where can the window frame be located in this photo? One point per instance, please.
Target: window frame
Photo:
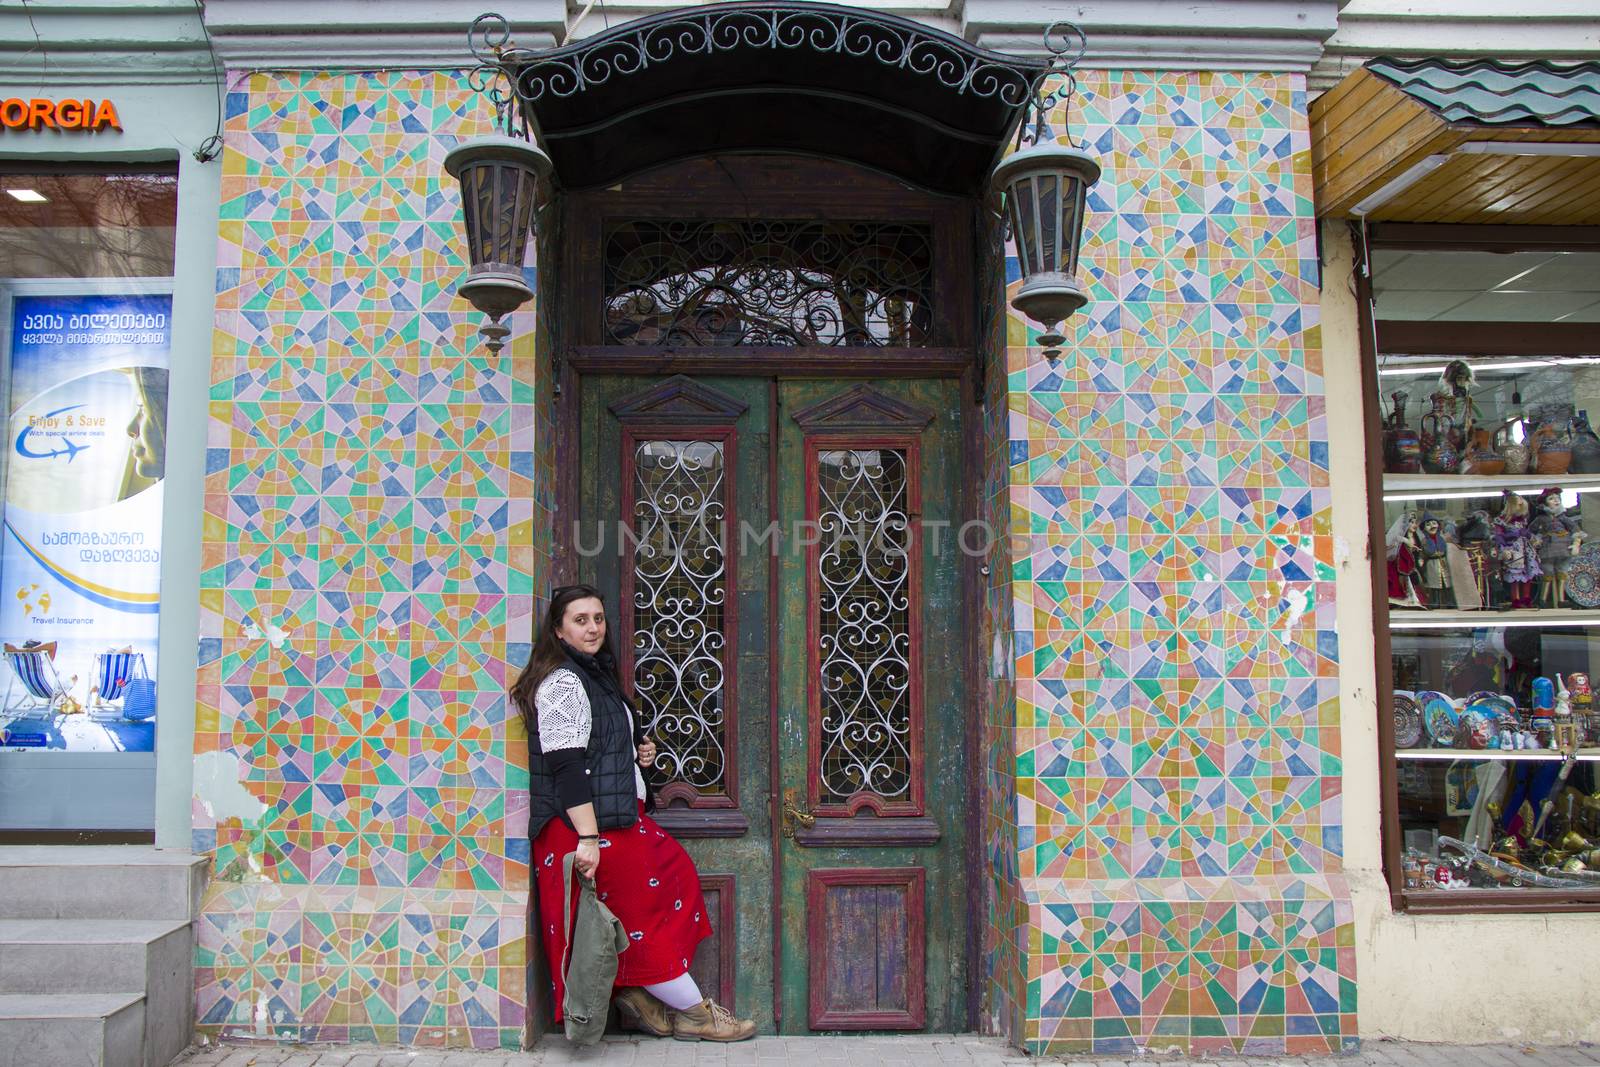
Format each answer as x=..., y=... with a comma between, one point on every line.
x=1464, y=339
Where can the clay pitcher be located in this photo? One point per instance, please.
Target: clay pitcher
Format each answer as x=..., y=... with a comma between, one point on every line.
x=1482, y=457
x=1552, y=451
x=1402, y=448
x=1585, y=446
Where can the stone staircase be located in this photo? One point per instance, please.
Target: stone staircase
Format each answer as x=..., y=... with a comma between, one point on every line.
x=96, y=954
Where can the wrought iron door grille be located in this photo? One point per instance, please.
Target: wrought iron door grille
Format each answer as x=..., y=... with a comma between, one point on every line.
x=679, y=596
x=863, y=572
x=768, y=283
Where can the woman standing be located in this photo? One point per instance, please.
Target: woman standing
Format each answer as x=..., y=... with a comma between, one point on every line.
x=588, y=796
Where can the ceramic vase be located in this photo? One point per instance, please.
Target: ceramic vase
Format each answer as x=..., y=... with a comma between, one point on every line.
x=1402, y=448
x=1585, y=446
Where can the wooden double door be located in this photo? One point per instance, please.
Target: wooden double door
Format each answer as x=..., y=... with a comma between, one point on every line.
x=783, y=562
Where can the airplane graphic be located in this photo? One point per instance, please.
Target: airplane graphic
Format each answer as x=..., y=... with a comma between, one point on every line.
x=67, y=448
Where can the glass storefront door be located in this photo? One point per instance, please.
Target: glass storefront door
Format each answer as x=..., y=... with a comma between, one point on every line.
x=86, y=264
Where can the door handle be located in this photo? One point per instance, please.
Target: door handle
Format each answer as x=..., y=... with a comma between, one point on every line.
x=795, y=813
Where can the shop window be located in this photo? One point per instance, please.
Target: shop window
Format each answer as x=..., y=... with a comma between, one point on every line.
x=86, y=263
x=1482, y=387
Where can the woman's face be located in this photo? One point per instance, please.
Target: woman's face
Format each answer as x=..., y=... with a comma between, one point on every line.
x=149, y=445
x=584, y=625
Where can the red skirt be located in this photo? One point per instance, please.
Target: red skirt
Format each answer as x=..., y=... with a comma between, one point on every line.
x=650, y=884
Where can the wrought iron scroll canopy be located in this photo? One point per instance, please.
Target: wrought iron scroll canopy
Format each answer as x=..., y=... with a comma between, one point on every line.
x=869, y=88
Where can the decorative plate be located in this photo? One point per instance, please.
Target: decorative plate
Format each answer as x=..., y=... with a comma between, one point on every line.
x=1498, y=708
x=1407, y=720
x=1583, y=579
x=1439, y=718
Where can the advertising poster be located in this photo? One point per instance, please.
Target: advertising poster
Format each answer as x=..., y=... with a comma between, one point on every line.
x=80, y=561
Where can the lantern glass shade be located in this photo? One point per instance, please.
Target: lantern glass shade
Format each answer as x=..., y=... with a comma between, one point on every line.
x=1045, y=188
x=500, y=179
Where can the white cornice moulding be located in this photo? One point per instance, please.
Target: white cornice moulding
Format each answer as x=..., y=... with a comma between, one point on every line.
x=1284, y=35
x=51, y=44
x=1281, y=35
x=365, y=34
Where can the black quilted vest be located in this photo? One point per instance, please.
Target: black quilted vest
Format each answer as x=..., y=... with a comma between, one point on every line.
x=608, y=761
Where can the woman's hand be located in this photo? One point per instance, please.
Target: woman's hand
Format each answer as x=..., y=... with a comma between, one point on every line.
x=647, y=752
x=588, y=858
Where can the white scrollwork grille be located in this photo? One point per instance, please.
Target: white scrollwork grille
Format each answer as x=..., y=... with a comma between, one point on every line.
x=679, y=596
x=768, y=282
x=863, y=572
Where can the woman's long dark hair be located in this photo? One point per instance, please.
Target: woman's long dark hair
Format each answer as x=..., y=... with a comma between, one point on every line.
x=548, y=654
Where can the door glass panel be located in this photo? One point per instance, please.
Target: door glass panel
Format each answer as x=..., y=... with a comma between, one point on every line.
x=679, y=596
x=768, y=283
x=864, y=651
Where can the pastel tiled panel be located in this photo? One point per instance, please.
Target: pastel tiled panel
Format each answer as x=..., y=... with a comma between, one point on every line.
x=373, y=487
x=1175, y=742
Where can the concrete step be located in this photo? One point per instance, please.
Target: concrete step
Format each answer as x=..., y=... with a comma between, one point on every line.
x=93, y=1029
x=87, y=955
x=99, y=882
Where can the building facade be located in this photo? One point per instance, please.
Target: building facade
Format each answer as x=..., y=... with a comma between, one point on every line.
x=1139, y=805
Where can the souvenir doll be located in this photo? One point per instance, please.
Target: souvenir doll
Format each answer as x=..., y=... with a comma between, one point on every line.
x=1560, y=537
x=1475, y=538
x=1516, y=549
x=1405, y=578
x=1430, y=549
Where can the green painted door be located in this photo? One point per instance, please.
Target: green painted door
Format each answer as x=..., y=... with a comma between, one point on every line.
x=677, y=465
x=675, y=527
x=872, y=760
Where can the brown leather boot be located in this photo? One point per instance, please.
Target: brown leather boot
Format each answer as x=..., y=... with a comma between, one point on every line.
x=648, y=1013
x=710, y=1021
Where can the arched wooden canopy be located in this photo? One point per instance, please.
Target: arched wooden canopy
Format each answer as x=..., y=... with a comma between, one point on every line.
x=813, y=79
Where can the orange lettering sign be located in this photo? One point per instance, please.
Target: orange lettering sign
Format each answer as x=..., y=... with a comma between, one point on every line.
x=40, y=114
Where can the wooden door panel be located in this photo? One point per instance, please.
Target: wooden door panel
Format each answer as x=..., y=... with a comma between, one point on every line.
x=870, y=867
x=867, y=949
x=727, y=832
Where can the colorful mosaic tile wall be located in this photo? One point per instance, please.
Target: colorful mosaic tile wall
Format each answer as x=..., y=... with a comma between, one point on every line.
x=1177, y=750
x=372, y=492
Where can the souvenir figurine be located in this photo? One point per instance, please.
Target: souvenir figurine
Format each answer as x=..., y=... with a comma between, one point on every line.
x=1474, y=535
x=1565, y=726
x=1405, y=577
x=1431, y=548
x=1516, y=550
x=1560, y=537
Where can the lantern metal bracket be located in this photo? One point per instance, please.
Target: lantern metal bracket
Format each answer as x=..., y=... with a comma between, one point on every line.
x=1067, y=43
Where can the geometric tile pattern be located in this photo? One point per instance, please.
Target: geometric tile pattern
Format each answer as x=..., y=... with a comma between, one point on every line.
x=369, y=568
x=1175, y=724
x=1161, y=732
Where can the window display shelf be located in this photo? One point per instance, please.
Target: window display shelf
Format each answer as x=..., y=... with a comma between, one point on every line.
x=1402, y=487
x=1444, y=619
x=1585, y=755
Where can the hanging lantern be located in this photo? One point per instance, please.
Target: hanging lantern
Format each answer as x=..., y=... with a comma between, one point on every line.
x=1045, y=187
x=500, y=178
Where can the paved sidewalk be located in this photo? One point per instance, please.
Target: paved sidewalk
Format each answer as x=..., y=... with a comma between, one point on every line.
x=862, y=1051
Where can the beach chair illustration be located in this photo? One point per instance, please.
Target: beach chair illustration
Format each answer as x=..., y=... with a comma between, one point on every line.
x=35, y=667
x=113, y=670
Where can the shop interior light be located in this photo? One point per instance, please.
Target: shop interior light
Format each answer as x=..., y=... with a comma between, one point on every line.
x=28, y=196
x=1419, y=369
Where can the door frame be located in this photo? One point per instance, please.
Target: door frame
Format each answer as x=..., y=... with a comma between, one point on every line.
x=761, y=186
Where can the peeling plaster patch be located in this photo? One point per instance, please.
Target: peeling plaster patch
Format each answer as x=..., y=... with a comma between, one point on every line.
x=218, y=788
x=276, y=636
x=1299, y=602
x=1341, y=550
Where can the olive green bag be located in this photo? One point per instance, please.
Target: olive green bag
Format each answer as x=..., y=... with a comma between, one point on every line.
x=589, y=966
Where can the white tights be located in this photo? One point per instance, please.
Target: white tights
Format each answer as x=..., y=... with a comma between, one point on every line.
x=678, y=994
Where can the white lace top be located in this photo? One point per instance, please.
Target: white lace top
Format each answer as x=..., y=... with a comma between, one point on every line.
x=565, y=718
